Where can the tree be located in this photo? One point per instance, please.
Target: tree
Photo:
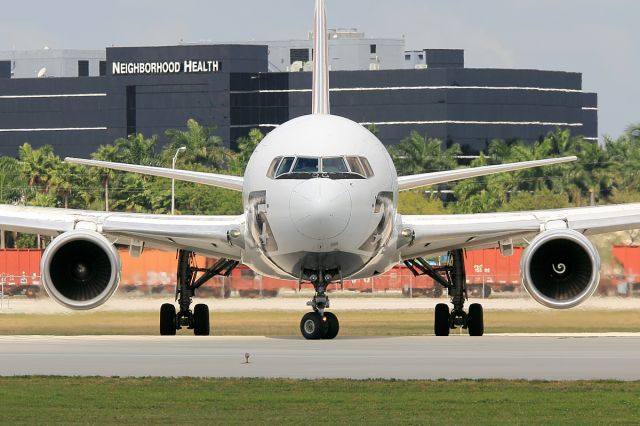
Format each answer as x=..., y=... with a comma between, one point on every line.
x=12, y=181
x=246, y=146
x=37, y=164
x=539, y=200
x=104, y=153
x=136, y=149
x=591, y=174
x=416, y=202
x=71, y=183
x=203, y=147
x=416, y=154
x=373, y=129
x=126, y=191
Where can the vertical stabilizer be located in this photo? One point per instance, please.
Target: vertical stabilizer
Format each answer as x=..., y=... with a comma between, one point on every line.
x=320, y=91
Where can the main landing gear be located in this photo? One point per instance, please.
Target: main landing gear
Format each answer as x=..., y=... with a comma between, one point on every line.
x=319, y=324
x=452, y=277
x=188, y=282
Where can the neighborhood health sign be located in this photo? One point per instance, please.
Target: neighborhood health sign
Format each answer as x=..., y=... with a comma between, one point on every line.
x=170, y=67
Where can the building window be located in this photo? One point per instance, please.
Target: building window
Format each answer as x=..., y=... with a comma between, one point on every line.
x=103, y=67
x=407, y=57
x=373, y=49
x=131, y=110
x=5, y=69
x=83, y=68
x=301, y=55
x=421, y=57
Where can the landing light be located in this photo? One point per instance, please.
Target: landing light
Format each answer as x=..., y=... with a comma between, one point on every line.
x=407, y=233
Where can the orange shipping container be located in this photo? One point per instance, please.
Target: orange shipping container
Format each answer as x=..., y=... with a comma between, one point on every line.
x=153, y=270
x=20, y=267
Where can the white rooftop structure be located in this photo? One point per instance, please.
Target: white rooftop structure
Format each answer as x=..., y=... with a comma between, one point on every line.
x=47, y=62
x=349, y=50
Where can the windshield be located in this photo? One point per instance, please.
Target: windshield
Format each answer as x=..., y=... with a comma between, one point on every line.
x=285, y=166
x=349, y=167
x=334, y=165
x=306, y=165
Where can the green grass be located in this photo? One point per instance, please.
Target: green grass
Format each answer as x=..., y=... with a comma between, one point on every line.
x=286, y=323
x=63, y=400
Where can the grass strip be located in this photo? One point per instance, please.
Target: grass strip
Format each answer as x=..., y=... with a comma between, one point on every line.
x=72, y=400
x=286, y=323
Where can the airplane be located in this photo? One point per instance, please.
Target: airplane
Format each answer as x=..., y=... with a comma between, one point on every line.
x=320, y=199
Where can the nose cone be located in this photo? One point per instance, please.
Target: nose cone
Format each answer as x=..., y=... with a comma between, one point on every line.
x=320, y=208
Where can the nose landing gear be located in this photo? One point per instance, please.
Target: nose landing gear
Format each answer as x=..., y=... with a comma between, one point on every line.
x=452, y=277
x=319, y=324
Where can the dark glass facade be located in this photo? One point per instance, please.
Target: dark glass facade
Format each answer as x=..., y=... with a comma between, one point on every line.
x=455, y=104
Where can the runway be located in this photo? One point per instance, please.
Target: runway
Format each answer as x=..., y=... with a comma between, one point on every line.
x=544, y=357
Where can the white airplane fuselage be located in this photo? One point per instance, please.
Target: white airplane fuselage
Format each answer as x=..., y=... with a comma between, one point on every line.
x=338, y=224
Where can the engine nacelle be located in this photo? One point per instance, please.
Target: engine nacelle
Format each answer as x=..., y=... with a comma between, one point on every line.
x=80, y=269
x=560, y=268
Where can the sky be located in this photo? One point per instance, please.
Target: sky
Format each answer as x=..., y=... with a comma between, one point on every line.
x=599, y=38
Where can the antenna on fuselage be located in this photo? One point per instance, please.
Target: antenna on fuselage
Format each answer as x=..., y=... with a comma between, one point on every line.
x=320, y=90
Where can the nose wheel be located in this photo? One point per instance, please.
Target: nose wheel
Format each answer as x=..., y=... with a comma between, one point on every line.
x=314, y=326
x=319, y=324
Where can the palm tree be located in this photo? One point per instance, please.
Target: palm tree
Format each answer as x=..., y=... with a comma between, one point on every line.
x=69, y=181
x=136, y=149
x=246, y=146
x=105, y=153
x=203, y=147
x=416, y=154
x=11, y=180
x=37, y=164
x=592, y=171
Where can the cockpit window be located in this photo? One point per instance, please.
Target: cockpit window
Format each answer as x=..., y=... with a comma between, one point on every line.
x=368, y=171
x=271, y=172
x=285, y=166
x=350, y=167
x=334, y=165
x=306, y=165
x=356, y=166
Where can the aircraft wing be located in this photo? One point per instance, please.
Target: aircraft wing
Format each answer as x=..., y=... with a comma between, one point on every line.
x=433, y=178
x=435, y=234
x=212, y=179
x=207, y=235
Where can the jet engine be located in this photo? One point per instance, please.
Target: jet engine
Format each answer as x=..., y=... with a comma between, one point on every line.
x=560, y=268
x=80, y=269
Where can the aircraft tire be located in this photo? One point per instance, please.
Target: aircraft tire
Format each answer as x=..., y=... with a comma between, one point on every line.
x=475, y=320
x=201, y=325
x=441, y=320
x=332, y=326
x=167, y=320
x=311, y=326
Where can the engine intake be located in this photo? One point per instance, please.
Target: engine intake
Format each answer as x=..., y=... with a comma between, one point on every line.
x=80, y=269
x=560, y=268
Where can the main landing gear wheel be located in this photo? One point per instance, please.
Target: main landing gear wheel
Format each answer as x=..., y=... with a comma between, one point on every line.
x=201, y=320
x=452, y=277
x=168, y=320
x=442, y=323
x=312, y=326
x=475, y=320
x=189, y=279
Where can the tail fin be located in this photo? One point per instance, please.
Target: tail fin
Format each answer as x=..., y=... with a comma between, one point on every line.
x=320, y=91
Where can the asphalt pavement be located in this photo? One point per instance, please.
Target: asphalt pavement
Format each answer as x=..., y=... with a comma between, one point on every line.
x=545, y=357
